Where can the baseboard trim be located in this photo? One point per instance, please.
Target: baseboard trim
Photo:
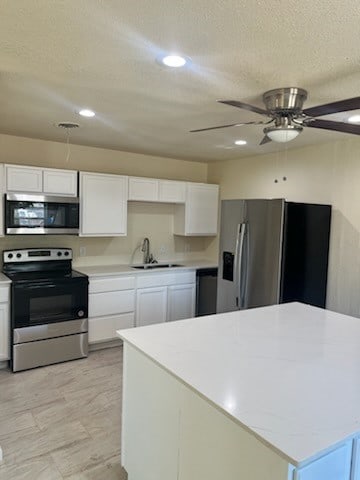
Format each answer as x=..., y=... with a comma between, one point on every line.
x=101, y=345
x=4, y=364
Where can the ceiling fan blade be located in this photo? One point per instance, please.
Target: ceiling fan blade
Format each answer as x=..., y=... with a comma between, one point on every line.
x=266, y=139
x=226, y=126
x=214, y=128
x=245, y=106
x=341, y=106
x=337, y=126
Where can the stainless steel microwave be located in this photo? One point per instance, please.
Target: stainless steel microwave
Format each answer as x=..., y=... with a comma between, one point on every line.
x=41, y=214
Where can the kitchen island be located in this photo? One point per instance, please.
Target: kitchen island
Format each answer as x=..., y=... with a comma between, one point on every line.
x=271, y=393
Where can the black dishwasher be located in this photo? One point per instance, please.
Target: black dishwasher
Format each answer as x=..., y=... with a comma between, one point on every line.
x=206, y=286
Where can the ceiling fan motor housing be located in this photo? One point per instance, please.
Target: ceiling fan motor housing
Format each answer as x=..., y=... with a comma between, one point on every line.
x=285, y=100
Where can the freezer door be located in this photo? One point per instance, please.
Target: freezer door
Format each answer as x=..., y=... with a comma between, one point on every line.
x=232, y=216
x=261, y=259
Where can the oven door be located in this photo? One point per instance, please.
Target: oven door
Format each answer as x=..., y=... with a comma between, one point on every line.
x=39, y=214
x=49, y=301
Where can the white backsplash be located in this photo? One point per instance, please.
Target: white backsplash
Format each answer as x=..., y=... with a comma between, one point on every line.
x=152, y=220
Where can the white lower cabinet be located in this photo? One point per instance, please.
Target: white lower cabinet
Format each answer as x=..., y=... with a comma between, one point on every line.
x=355, y=464
x=166, y=296
x=102, y=329
x=111, y=307
x=4, y=332
x=151, y=306
x=335, y=465
x=4, y=325
x=181, y=302
x=124, y=301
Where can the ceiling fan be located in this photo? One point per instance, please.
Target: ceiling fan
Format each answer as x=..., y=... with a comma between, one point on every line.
x=285, y=113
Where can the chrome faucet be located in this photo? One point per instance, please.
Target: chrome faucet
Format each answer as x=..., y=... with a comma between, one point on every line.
x=145, y=247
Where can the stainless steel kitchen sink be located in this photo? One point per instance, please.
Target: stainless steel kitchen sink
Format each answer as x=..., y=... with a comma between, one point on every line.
x=151, y=266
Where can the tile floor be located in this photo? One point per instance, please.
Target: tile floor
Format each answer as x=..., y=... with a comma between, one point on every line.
x=63, y=421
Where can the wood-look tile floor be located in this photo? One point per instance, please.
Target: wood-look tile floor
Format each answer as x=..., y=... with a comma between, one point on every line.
x=63, y=421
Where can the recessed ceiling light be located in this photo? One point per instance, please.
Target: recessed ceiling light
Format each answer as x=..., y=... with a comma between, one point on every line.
x=354, y=119
x=85, y=112
x=173, y=60
x=240, y=142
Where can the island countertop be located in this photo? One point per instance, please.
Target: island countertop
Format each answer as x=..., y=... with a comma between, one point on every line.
x=289, y=374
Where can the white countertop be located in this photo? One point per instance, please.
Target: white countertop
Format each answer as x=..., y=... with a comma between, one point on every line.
x=103, y=270
x=290, y=373
x=4, y=279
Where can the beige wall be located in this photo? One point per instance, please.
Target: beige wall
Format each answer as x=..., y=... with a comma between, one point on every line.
x=327, y=173
x=152, y=220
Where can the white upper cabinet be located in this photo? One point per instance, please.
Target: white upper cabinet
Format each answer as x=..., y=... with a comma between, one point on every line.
x=199, y=215
x=155, y=190
x=50, y=181
x=103, y=205
x=171, y=191
x=24, y=179
x=143, y=189
x=60, y=182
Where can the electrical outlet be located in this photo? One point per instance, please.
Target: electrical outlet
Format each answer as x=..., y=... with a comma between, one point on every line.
x=187, y=247
x=162, y=249
x=82, y=251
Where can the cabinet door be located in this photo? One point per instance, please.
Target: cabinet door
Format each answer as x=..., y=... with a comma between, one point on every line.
x=103, y=329
x=60, y=182
x=4, y=332
x=333, y=466
x=181, y=302
x=151, y=306
x=201, y=214
x=103, y=205
x=172, y=192
x=355, y=463
x=143, y=189
x=23, y=179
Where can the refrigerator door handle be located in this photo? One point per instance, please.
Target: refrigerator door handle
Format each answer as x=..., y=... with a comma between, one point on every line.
x=238, y=261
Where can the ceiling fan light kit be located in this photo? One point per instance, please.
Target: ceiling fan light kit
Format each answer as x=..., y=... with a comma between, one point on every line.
x=282, y=134
x=284, y=107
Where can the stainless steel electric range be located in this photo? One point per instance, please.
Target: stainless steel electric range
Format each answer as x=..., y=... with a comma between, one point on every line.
x=49, y=307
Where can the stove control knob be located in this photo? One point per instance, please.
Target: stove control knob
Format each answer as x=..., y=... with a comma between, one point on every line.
x=18, y=255
x=10, y=255
x=59, y=254
x=66, y=254
x=81, y=313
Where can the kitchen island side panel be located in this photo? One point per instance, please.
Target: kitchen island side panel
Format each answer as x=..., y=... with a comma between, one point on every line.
x=171, y=432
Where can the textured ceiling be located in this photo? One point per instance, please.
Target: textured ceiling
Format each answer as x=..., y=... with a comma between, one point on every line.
x=59, y=55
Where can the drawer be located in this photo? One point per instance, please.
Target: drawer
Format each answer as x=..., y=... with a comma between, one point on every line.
x=103, y=329
x=4, y=294
x=165, y=279
x=335, y=465
x=110, y=284
x=111, y=303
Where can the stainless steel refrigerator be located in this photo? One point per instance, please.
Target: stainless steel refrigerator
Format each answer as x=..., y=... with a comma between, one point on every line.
x=272, y=251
